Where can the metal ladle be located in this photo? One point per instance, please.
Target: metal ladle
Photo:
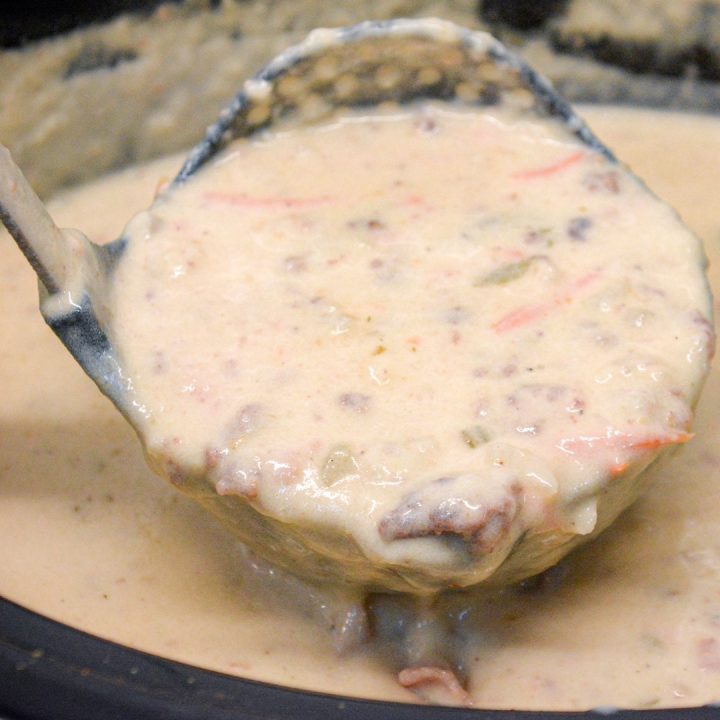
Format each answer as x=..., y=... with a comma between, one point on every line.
x=366, y=65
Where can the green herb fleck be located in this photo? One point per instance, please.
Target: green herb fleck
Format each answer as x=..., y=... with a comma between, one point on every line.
x=474, y=436
x=652, y=642
x=506, y=273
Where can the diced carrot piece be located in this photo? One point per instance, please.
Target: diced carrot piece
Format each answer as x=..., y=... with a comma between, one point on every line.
x=646, y=444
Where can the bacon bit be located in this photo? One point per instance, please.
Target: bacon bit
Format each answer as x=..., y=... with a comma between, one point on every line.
x=535, y=236
x=607, y=182
x=708, y=653
x=456, y=315
x=708, y=331
x=435, y=685
x=248, y=419
x=231, y=479
x=577, y=228
x=481, y=526
x=372, y=224
x=357, y=402
x=212, y=458
x=426, y=124
x=557, y=167
x=249, y=201
x=174, y=473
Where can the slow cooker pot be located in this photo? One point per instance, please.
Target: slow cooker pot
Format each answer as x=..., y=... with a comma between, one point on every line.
x=49, y=670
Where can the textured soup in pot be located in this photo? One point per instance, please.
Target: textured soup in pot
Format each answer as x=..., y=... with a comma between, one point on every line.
x=429, y=361
x=632, y=619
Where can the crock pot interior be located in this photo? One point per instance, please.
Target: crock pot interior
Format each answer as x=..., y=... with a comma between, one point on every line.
x=53, y=672
x=49, y=670
x=36, y=19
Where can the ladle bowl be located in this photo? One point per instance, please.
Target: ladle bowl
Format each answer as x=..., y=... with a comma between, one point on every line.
x=367, y=65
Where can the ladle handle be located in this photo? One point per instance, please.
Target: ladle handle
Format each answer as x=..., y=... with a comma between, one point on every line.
x=48, y=249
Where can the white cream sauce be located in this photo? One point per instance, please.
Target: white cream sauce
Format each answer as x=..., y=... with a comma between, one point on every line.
x=631, y=619
x=414, y=359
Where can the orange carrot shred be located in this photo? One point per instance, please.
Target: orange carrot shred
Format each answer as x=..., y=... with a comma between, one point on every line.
x=623, y=441
x=520, y=317
x=528, y=313
x=653, y=443
x=550, y=169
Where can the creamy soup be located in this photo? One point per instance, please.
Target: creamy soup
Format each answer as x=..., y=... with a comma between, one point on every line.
x=431, y=361
x=630, y=620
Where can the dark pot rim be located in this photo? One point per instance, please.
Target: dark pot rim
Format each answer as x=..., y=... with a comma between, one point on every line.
x=52, y=671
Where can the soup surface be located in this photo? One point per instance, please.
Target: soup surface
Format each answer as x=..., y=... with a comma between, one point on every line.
x=631, y=620
x=441, y=358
